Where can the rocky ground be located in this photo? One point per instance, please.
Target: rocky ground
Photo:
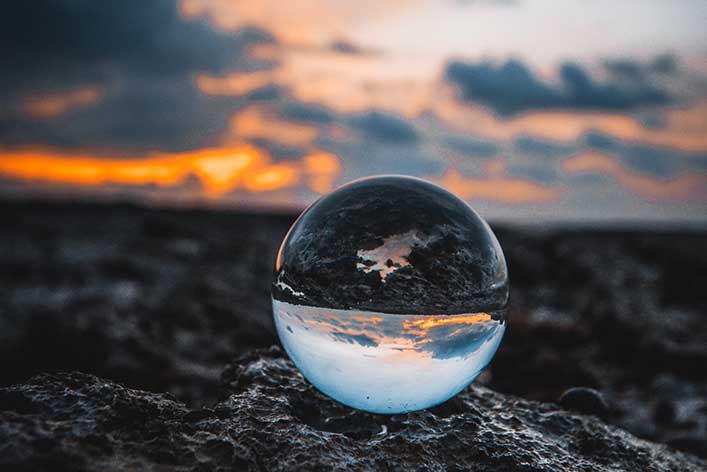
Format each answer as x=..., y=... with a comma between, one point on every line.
x=269, y=418
x=162, y=300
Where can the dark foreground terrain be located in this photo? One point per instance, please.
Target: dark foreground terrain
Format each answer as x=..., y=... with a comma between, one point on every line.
x=165, y=301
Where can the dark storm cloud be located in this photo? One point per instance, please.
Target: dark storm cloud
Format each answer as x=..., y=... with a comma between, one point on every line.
x=599, y=141
x=307, y=113
x=664, y=64
x=532, y=169
x=538, y=158
x=635, y=70
x=141, y=56
x=138, y=115
x=539, y=147
x=653, y=121
x=270, y=92
x=512, y=88
x=657, y=161
x=384, y=126
x=472, y=147
x=278, y=151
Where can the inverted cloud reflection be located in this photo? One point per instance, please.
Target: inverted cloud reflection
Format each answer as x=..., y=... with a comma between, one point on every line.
x=383, y=362
x=435, y=336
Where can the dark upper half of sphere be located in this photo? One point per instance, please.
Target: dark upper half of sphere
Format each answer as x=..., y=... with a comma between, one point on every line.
x=392, y=244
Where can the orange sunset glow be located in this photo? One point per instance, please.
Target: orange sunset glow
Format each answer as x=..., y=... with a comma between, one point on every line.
x=271, y=104
x=427, y=323
x=218, y=170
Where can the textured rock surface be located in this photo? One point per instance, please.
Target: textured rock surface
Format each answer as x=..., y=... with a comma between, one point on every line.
x=269, y=418
x=161, y=300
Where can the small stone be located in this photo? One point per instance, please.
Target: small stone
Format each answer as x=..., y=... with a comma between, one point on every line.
x=586, y=401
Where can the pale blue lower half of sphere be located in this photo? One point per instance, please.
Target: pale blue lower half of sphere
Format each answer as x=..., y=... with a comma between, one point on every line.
x=387, y=363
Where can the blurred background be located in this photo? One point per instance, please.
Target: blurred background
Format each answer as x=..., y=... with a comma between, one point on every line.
x=577, y=128
x=531, y=110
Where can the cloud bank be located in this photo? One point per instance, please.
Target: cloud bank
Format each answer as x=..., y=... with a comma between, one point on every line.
x=138, y=57
x=512, y=88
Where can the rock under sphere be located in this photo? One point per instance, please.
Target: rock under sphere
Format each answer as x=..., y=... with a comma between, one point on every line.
x=269, y=418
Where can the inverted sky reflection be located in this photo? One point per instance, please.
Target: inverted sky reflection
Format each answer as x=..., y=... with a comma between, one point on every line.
x=382, y=362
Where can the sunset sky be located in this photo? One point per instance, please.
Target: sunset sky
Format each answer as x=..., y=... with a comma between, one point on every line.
x=531, y=110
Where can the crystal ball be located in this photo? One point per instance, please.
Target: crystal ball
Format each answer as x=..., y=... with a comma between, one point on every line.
x=390, y=294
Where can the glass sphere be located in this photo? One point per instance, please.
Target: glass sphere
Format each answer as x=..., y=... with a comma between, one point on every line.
x=390, y=294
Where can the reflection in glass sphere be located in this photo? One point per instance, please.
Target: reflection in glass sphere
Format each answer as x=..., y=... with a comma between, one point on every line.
x=390, y=294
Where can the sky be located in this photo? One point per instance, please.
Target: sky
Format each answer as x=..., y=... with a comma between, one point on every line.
x=530, y=110
x=387, y=363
